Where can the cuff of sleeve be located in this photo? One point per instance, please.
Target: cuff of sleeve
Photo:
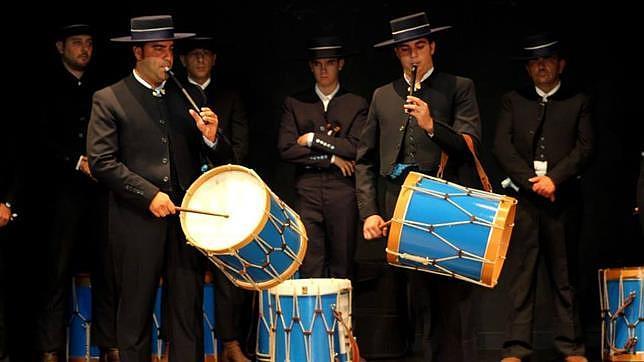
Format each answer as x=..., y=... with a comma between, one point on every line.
x=309, y=139
x=210, y=143
x=78, y=163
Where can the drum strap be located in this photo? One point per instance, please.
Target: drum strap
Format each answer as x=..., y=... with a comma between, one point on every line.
x=352, y=340
x=485, y=181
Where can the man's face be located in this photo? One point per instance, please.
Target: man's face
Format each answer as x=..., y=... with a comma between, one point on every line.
x=326, y=70
x=76, y=51
x=545, y=72
x=152, y=58
x=199, y=63
x=419, y=52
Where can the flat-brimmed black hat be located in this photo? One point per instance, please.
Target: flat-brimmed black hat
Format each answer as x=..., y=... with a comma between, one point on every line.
x=540, y=45
x=198, y=42
x=326, y=47
x=151, y=28
x=409, y=28
x=74, y=29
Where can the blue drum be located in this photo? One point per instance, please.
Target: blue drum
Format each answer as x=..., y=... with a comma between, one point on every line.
x=622, y=309
x=444, y=228
x=210, y=345
x=260, y=241
x=312, y=321
x=264, y=325
x=80, y=347
x=159, y=352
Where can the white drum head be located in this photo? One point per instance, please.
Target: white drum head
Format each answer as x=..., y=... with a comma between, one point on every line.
x=232, y=190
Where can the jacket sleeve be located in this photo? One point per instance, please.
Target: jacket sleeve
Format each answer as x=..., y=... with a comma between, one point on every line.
x=287, y=142
x=466, y=120
x=103, y=151
x=367, y=164
x=506, y=153
x=346, y=146
x=572, y=164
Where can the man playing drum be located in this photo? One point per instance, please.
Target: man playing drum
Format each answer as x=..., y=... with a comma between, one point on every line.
x=444, y=107
x=146, y=147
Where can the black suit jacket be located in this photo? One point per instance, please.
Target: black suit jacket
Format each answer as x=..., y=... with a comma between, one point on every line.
x=137, y=147
x=304, y=112
x=565, y=127
x=233, y=121
x=454, y=108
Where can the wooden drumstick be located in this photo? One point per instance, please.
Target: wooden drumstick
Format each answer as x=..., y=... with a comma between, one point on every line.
x=201, y=212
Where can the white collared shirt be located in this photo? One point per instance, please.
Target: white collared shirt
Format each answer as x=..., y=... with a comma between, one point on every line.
x=326, y=99
x=544, y=96
x=425, y=76
x=202, y=86
x=155, y=90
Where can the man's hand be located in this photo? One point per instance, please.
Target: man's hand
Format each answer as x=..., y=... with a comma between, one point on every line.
x=84, y=167
x=346, y=167
x=5, y=215
x=207, y=122
x=543, y=186
x=303, y=140
x=161, y=205
x=374, y=227
x=420, y=110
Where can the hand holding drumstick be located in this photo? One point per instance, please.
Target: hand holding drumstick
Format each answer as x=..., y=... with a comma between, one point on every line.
x=374, y=227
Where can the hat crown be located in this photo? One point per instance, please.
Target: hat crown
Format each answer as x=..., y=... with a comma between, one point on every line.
x=152, y=28
x=540, y=45
x=325, y=42
x=410, y=27
x=148, y=23
x=74, y=29
x=409, y=22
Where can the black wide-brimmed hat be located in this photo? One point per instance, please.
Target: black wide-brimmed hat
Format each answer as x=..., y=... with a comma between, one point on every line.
x=409, y=28
x=73, y=29
x=540, y=45
x=198, y=42
x=151, y=28
x=326, y=47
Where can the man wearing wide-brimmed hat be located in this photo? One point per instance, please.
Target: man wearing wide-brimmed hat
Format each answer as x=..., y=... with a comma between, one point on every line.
x=543, y=142
x=443, y=110
x=145, y=143
x=232, y=305
x=319, y=134
x=74, y=229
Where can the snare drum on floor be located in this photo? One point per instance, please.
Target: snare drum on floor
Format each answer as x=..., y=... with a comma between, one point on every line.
x=622, y=308
x=80, y=347
x=261, y=243
x=444, y=228
x=311, y=321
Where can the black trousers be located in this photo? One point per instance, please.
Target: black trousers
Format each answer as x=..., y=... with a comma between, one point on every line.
x=549, y=230
x=4, y=289
x=329, y=211
x=138, y=269
x=76, y=229
x=439, y=305
x=233, y=308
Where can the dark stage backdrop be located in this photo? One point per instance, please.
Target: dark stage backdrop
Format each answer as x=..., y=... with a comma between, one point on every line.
x=263, y=42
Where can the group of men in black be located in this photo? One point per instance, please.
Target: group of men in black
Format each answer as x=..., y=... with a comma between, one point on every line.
x=125, y=154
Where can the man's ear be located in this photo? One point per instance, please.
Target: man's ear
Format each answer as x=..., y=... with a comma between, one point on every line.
x=214, y=59
x=59, y=46
x=182, y=58
x=562, y=65
x=340, y=64
x=138, y=52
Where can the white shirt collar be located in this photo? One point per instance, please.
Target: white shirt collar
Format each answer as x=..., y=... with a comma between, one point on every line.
x=324, y=97
x=544, y=96
x=425, y=76
x=202, y=86
x=155, y=91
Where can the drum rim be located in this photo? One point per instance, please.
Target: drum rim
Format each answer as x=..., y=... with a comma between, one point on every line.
x=201, y=180
x=631, y=272
x=287, y=287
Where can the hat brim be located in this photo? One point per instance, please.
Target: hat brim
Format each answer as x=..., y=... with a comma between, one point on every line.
x=537, y=54
x=414, y=37
x=128, y=39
